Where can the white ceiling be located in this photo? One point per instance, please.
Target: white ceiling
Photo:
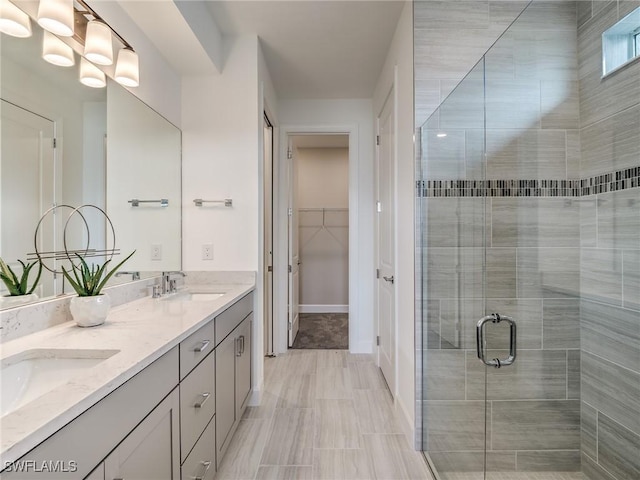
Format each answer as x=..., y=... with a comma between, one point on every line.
x=313, y=48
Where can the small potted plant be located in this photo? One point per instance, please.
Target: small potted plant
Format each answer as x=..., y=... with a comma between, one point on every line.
x=19, y=290
x=90, y=307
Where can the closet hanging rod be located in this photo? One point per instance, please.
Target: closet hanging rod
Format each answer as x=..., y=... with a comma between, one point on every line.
x=228, y=202
x=164, y=202
x=323, y=209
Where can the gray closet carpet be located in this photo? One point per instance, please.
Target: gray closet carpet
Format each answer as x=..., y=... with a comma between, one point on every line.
x=323, y=331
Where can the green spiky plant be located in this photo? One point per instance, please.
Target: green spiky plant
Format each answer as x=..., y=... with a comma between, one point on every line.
x=19, y=287
x=88, y=281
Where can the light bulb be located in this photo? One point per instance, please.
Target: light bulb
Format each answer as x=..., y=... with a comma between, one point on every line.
x=90, y=75
x=127, y=68
x=55, y=51
x=56, y=16
x=98, y=47
x=14, y=21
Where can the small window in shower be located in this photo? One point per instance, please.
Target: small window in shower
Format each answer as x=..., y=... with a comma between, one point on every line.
x=621, y=43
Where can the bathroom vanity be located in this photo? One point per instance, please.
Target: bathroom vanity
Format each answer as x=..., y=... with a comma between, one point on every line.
x=166, y=384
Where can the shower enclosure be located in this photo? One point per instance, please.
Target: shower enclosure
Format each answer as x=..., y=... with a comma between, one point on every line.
x=529, y=258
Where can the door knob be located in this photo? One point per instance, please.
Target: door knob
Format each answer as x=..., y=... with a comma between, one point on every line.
x=390, y=279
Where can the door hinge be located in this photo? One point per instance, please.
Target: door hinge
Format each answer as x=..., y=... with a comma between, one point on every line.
x=270, y=268
x=378, y=341
x=377, y=139
x=290, y=326
x=289, y=154
x=290, y=269
x=55, y=143
x=378, y=207
x=377, y=273
x=290, y=211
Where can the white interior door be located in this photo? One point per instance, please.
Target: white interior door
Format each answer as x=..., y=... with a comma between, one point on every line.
x=268, y=237
x=27, y=174
x=386, y=243
x=294, y=249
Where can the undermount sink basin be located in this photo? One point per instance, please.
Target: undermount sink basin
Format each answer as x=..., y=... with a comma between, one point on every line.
x=33, y=373
x=195, y=296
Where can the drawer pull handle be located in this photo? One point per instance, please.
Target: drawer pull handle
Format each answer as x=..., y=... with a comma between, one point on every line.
x=202, y=347
x=205, y=397
x=206, y=466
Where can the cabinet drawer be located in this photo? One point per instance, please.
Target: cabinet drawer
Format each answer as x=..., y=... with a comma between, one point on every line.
x=201, y=462
x=197, y=402
x=195, y=347
x=232, y=316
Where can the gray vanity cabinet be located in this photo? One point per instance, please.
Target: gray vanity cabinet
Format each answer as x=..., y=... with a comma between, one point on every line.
x=233, y=369
x=243, y=365
x=173, y=420
x=151, y=450
x=225, y=393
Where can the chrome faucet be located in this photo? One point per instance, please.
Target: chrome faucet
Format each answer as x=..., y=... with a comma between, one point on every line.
x=134, y=275
x=168, y=283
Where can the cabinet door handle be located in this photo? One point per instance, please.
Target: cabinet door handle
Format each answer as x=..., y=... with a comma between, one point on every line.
x=241, y=344
x=238, y=347
x=205, y=397
x=206, y=466
x=202, y=347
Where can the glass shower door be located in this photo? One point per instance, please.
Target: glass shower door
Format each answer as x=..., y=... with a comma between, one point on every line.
x=453, y=255
x=533, y=247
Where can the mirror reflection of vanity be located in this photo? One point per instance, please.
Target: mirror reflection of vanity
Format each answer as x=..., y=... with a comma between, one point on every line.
x=110, y=148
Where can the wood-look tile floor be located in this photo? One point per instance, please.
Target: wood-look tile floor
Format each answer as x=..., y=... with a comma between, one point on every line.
x=325, y=415
x=514, y=476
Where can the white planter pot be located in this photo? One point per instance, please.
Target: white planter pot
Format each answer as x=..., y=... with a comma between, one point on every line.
x=16, y=300
x=90, y=311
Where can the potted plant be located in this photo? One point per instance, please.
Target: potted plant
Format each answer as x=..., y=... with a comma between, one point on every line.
x=19, y=290
x=90, y=307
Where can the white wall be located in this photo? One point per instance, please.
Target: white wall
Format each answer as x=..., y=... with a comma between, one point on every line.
x=323, y=183
x=310, y=116
x=398, y=69
x=222, y=158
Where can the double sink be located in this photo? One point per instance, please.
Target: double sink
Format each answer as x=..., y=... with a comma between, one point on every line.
x=32, y=373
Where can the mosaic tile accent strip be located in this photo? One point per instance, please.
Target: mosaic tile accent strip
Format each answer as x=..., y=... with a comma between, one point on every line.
x=610, y=182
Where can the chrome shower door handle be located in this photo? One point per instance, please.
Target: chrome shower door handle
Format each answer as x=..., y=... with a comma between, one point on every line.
x=496, y=362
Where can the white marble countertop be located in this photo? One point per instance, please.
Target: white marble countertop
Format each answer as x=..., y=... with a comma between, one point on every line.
x=142, y=331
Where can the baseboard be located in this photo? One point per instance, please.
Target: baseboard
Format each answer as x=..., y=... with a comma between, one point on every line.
x=405, y=423
x=255, y=397
x=324, y=308
x=361, y=347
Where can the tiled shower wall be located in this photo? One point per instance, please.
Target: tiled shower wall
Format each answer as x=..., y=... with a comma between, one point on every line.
x=609, y=255
x=562, y=258
x=523, y=101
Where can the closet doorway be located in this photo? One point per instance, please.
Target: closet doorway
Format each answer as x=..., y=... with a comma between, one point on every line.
x=319, y=241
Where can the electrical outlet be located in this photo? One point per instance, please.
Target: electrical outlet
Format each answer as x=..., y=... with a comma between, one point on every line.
x=156, y=251
x=207, y=251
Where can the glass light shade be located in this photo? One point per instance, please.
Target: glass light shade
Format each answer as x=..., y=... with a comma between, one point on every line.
x=90, y=75
x=14, y=21
x=55, y=51
x=127, y=68
x=56, y=16
x=98, y=47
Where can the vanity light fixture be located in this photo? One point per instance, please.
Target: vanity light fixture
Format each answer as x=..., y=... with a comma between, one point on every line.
x=56, y=52
x=127, y=68
x=90, y=75
x=98, y=46
x=14, y=21
x=57, y=16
